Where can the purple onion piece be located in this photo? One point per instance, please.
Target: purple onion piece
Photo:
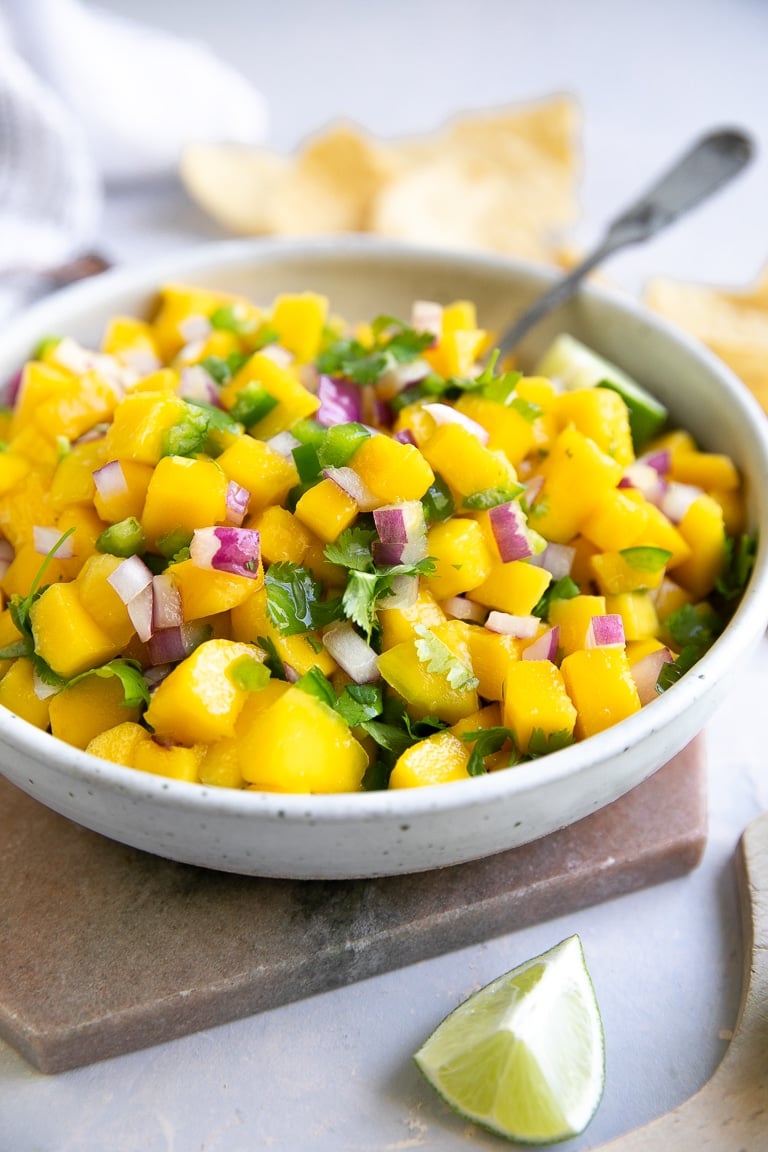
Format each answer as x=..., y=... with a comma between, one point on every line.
x=234, y=550
x=606, y=631
x=545, y=646
x=340, y=401
x=237, y=503
x=510, y=531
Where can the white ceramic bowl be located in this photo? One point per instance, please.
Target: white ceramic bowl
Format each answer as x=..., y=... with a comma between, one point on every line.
x=366, y=834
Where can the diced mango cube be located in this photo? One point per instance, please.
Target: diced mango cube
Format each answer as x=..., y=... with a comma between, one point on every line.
x=514, y=587
x=299, y=744
x=199, y=701
x=573, y=617
x=703, y=529
x=399, y=624
x=468, y=466
x=577, y=475
x=430, y=693
x=492, y=653
x=119, y=744
x=326, y=509
x=17, y=693
x=176, y=762
x=184, y=494
x=437, y=759
x=299, y=319
x=82, y=711
x=283, y=537
x=600, y=414
x=293, y=400
x=65, y=634
x=392, y=471
x=206, y=593
x=536, y=705
x=141, y=423
x=600, y=683
x=266, y=474
x=462, y=557
x=119, y=505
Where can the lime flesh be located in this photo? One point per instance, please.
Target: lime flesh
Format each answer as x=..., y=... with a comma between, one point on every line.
x=524, y=1056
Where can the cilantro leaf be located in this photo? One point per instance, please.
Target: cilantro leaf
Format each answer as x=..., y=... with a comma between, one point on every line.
x=359, y=703
x=352, y=549
x=128, y=672
x=486, y=741
x=316, y=683
x=272, y=661
x=542, y=742
x=441, y=661
x=293, y=598
x=388, y=736
x=739, y=562
x=393, y=343
x=364, y=590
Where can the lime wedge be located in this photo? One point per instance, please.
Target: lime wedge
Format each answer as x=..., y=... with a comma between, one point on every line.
x=576, y=366
x=524, y=1056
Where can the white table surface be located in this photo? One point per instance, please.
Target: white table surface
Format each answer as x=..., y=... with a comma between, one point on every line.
x=334, y=1072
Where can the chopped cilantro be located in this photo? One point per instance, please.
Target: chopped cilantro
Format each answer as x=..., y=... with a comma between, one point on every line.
x=486, y=741
x=272, y=661
x=364, y=590
x=739, y=562
x=352, y=549
x=393, y=343
x=529, y=411
x=491, y=497
x=316, y=683
x=541, y=742
x=437, y=501
x=563, y=589
x=692, y=632
x=130, y=675
x=359, y=703
x=441, y=661
x=294, y=599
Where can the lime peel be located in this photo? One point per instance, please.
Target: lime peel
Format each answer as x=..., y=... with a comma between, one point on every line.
x=524, y=1056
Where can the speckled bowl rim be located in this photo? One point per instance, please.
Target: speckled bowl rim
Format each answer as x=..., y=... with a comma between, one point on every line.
x=742, y=633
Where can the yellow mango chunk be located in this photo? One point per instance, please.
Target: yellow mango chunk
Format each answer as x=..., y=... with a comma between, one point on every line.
x=81, y=712
x=117, y=506
x=73, y=481
x=438, y=759
x=491, y=654
x=184, y=494
x=573, y=617
x=430, y=693
x=75, y=409
x=577, y=474
x=299, y=744
x=39, y=382
x=706, y=470
x=206, y=593
x=140, y=425
x=637, y=611
x=220, y=766
x=326, y=510
x=599, y=682
x=659, y=532
x=283, y=537
x=600, y=414
x=13, y=469
x=456, y=351
x=509, y=430
x=65, y=634
x=399, y=624
x=299, y=319
x=17, y=693
x=173, y=761
x=100, y=599
x=536, y=704
x=293, y=400
x=617, y=572
x=465, y=463
x=514, y=587
x=392, y=471
x=703, y=529
x=462, y=557
x=127, y=336
x=199, y=701
x=119, y=744
x=617, y=521
x=266, y=474
x=250, y=621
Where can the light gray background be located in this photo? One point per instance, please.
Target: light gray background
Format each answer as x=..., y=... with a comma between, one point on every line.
x=334, y=1072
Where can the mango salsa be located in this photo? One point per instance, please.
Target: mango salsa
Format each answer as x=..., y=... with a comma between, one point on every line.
x=244, y=545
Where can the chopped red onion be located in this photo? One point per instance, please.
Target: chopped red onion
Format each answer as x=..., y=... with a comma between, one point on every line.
x=45, y=539
x=677, y=500
x=340, y=401
x=427, y=316
x=110, y=480
x=237, y=503
x=283, y=443
x=444, y=414
x=510, y=531
x=645, y=673
x=196, y=384
x=140, y=360
x=405, y=436
x=660, y=461
x=156, y=673
x=166, y=603
x=10, y=390
x=403, y=375
x=533, y=489
x=351, y=653
x=349, y=481
x=166, y=646
x=291, y=674
x=278, y=354
x=400, y=523
x=462, y=609
x=140, y=611
x=405, y=593
x=194, y=327
x=645, y=479
x=130, y=578
x=557, y=559
x=524, y=627
x=387, y=555
x=545, y=646
x=606, y=631
x=235, y=550
x=42, y=690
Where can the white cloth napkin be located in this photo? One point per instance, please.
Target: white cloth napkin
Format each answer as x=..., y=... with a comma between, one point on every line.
x=86, y=99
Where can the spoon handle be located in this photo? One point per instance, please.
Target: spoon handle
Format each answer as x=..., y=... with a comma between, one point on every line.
x=700, y=172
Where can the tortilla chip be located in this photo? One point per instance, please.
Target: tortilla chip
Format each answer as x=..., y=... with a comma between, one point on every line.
x=503, y=180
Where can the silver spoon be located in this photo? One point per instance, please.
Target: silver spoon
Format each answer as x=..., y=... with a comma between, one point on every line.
x=707, y=166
